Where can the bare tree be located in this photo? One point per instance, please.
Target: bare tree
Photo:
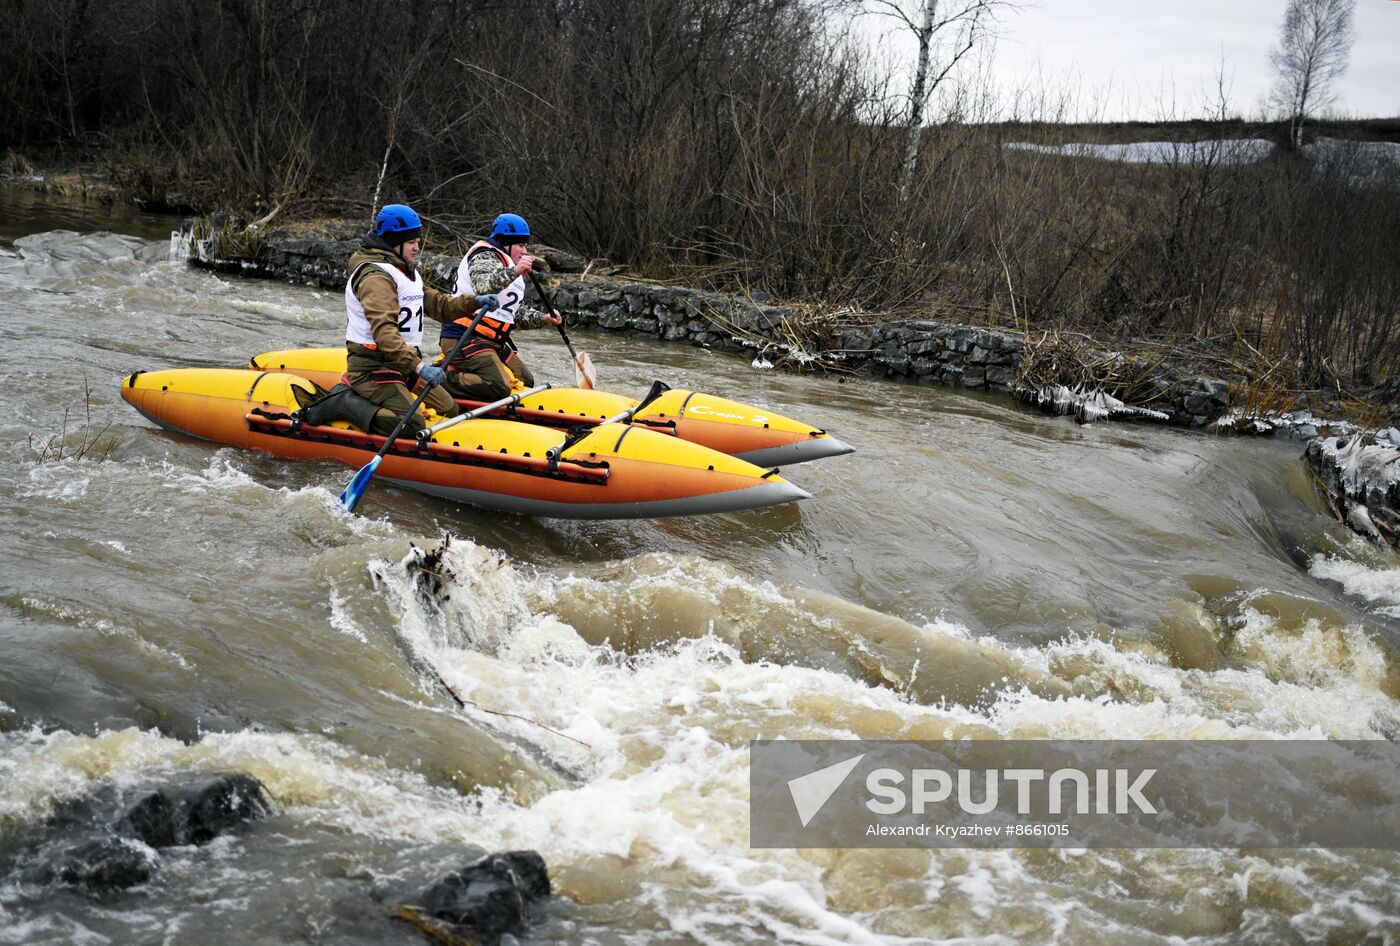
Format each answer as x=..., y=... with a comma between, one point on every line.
x=1314, y=44
x=944, y=37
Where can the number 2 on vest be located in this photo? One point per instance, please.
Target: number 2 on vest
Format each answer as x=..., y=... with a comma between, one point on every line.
x=406, y=318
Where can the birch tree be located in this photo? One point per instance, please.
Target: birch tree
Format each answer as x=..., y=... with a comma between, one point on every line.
x=1314, y=43
x=945, y=32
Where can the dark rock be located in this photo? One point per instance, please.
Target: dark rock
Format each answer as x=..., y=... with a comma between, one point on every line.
x=1198, y=404
x=155, y=819
x=668, y=316
x=107, y=840
x=1000, y=376
x=923, y=345
x=1358, y=479
x=222, y=803
x=194, y=813
x=491, y=897
x=766, y=321
x=613, y=318
x=857, y=339
x=107, y=864
x=896, y=362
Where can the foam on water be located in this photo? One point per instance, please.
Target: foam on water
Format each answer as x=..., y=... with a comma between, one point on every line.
x=1378, y=584
x=224, y=477
x=64, y=481
x=665, y=769
x=655, y=736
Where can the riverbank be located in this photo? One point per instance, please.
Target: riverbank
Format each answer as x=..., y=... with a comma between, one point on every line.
x=1060, y=372
x=1065, y=372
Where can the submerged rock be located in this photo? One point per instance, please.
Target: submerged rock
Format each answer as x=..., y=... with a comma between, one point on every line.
x=105, y=865
x=109, y=840
x=483, y=901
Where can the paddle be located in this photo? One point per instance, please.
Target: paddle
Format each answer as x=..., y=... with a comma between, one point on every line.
x=350, y=498
x=584, y=374
x=427, y=432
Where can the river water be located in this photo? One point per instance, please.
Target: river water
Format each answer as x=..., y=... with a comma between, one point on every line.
x=973, y=570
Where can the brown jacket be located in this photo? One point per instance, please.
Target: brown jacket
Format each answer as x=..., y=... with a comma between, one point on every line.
x=380, y=297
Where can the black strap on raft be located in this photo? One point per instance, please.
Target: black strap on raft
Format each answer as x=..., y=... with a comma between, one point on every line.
x=256, y=381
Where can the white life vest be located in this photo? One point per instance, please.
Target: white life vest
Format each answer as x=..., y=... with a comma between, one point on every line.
x=357, y=328
x=512, y=296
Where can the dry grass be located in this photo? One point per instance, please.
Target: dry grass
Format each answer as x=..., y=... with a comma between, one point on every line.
x=87, y=442
x=1055, y=358
x=12, y=162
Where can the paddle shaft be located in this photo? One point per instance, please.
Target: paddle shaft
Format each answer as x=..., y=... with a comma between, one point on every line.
x=427, y=432
x=549, y=303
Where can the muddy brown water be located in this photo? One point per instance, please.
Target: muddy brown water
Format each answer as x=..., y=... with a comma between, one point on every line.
x=972, y=570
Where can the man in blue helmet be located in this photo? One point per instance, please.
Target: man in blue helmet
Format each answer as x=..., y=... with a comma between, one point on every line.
x=385, y=301
x=485, y=366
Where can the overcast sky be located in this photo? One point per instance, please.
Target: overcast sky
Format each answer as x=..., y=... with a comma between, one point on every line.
x=1129, y=55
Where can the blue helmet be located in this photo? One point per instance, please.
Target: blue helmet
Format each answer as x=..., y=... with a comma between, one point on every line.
x=397, y=223
x=509, y=228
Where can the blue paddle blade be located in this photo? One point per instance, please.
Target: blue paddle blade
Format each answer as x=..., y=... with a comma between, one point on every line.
x=350, y=498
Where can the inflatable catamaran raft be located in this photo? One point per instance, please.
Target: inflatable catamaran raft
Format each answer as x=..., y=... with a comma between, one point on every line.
x=611, y=471
x=740, y=430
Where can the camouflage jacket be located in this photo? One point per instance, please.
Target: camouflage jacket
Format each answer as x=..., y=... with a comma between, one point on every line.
x=489, y=274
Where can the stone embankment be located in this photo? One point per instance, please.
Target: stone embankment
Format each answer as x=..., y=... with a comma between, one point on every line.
x=919, y=351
